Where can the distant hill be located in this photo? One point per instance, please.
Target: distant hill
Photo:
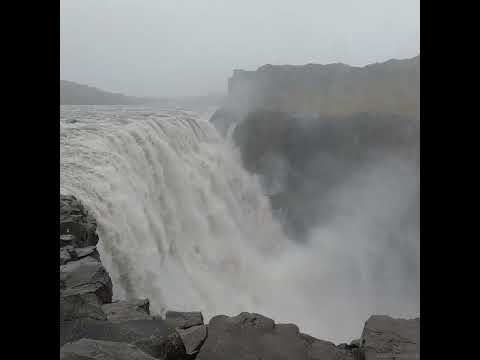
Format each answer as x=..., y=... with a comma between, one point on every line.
x=332, y=90
x=72, y=93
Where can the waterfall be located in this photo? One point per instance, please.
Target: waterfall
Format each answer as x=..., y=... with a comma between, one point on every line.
x=182, y=223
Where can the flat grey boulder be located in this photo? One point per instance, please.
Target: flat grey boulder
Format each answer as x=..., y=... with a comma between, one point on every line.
x=127, y=310
x=250, y=336
x=391, y=338
x=88, y=349
x=125, y=331
x=193, y=338
x=86, y=276
x=183, y=320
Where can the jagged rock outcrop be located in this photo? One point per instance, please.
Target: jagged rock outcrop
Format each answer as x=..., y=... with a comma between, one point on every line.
x=77, y=227
x=193, y=338
x=94, y=327
x=253, y=336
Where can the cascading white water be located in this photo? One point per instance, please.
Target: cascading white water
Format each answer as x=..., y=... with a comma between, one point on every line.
x=183, y=224
x=180, y=221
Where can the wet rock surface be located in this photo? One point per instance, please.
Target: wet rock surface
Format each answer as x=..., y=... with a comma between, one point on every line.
x=124, y=331
x=253, y=336
x=76, y=221
x=170, y=347
x=86, y=276
x=86, y=349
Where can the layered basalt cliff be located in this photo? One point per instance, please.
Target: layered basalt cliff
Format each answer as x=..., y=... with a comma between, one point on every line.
x=333, y=90
x=330, y=90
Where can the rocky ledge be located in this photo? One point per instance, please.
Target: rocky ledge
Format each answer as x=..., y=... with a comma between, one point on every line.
x=94, y=327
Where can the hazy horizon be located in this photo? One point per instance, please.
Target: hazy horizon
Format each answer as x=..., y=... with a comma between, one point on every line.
x=180, y=48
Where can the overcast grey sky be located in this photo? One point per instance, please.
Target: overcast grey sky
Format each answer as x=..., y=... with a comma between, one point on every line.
x=190, y=47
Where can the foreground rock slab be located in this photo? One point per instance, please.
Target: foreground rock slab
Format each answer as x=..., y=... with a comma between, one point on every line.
x=124, y=331
x=86, y=276
x=249, y=336
x=391, y=338
x=86, y=349
x=183, y=320
x=127, y=310
x=80, y=306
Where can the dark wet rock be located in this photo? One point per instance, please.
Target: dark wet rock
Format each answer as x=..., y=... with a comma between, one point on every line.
x=127, y=310
x=67, y=240
x=76, y=221
x=193, y=338
x=250, y=336
x=170, y=347
x=67, y=253
x=87, y=251
x=86, y=276
x=128, y=331
x=80, y=306
x=75, y=229
x=81, y=232
x=183, y=320
x=88, y=349
x=391, y=338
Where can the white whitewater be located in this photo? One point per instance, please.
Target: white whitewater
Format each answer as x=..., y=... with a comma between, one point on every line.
x=183, y=224
x=180, y=221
